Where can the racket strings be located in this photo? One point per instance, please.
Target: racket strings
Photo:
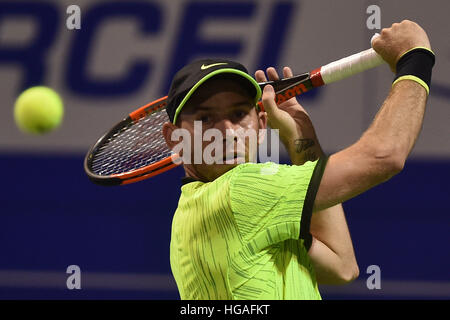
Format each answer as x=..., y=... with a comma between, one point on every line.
x=137, y=145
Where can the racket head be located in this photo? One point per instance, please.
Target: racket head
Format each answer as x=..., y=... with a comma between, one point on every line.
x=133, y=150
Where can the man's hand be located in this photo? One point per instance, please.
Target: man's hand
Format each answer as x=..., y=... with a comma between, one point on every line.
x=393, y=42
x=291, y=119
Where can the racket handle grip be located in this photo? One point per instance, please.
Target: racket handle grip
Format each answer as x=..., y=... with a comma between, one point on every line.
x=351, y=65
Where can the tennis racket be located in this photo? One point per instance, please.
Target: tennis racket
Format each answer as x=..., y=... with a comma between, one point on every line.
x=134, y=149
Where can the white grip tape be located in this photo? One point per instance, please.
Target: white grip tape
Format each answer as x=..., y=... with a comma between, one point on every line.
x=350, y=65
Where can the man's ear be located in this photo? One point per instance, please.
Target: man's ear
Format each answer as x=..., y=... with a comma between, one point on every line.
x=262, y=120
x=167, y=129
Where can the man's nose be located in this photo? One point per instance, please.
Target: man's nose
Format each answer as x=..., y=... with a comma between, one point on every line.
x=229, y=132
x=225, y=124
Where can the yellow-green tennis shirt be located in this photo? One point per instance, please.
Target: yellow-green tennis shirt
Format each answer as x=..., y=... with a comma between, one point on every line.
x=246, y=234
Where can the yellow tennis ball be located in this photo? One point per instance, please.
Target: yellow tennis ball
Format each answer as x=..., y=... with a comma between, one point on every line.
x=38, y=110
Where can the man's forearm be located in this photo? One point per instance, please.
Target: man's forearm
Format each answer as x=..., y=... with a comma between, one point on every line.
x=382, y=150
x=397, y=125
x=307, y=147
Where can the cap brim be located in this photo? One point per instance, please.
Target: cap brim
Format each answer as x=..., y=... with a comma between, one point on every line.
x=212, y=74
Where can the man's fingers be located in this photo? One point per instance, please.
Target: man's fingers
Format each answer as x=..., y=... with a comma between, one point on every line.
x=268, y=100
x=272, y=74
x=260, y=76
x=287, y=72
x=376, y=35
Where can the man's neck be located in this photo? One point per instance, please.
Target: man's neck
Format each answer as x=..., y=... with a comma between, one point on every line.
x=192, y=174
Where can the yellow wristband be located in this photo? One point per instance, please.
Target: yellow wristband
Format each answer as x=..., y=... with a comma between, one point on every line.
x=413, y=78
x=425, y=48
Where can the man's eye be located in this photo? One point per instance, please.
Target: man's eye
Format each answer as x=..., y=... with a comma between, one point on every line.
x=239, y=113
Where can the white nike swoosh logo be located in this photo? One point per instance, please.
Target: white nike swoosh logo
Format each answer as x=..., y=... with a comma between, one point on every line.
x=203, y=67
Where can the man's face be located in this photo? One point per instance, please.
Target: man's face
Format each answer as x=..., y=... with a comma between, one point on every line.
x=221, y=105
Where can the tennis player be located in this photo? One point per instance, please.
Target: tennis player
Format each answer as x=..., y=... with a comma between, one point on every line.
x=246, y=230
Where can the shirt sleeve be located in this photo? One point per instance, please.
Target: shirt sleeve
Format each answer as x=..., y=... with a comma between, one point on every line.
x=272, y=202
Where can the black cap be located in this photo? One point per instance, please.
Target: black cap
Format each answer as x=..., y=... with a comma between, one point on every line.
x=190, y=77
